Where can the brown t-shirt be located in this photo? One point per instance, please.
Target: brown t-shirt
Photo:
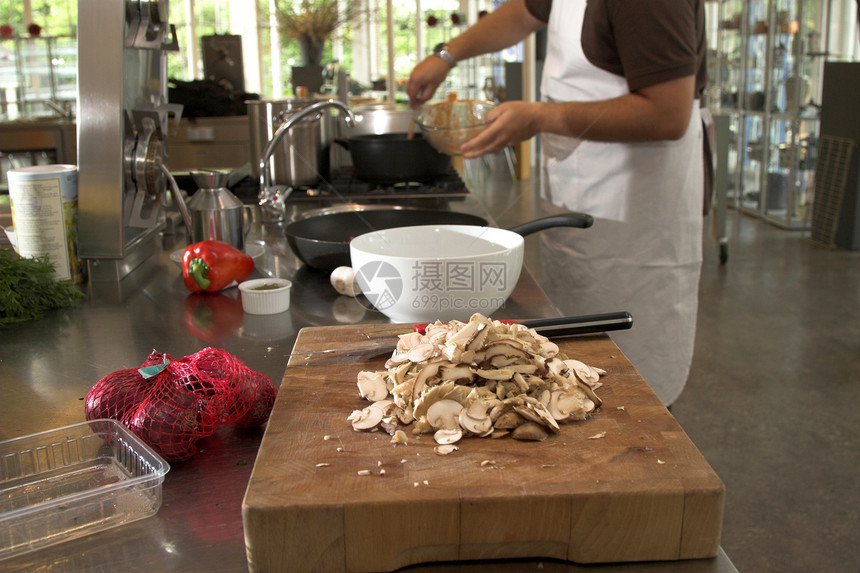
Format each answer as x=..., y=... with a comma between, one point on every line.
x=645, y=41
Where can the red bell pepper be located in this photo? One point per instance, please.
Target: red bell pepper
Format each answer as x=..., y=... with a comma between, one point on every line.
x=210, y=266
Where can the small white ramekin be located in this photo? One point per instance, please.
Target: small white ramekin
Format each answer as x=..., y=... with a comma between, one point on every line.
x=268, y=301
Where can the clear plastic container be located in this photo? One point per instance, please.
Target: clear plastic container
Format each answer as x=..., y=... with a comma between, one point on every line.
x=70, y=482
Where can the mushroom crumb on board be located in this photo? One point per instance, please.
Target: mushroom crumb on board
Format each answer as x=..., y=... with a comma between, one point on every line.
x=481, y=378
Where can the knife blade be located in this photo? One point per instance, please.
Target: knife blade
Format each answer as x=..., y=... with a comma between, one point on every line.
x=550, y=327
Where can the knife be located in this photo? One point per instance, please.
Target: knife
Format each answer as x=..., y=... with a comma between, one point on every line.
x=571, y=325
x=549, y=327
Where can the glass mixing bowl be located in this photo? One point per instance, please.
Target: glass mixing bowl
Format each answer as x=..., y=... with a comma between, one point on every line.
x=449, y=124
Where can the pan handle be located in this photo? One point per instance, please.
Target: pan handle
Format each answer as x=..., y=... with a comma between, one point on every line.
x=572, y=219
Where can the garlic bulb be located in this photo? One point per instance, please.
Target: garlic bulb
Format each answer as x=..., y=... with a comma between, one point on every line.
x=343, y=281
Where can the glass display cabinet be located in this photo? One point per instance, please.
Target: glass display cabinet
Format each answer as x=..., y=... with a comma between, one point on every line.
x=766, y=69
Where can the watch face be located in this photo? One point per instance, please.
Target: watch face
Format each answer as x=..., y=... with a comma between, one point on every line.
x=440, y=51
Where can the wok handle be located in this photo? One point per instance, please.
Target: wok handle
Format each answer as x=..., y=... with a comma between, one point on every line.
x=572, y=219
x=586, y=324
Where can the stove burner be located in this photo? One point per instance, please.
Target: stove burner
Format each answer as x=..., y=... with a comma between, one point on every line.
x=343, y=183
x=407, y=186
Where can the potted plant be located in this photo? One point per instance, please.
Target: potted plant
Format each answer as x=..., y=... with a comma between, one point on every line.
x=311, y=23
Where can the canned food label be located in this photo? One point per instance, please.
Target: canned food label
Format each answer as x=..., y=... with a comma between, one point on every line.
x=44, y=214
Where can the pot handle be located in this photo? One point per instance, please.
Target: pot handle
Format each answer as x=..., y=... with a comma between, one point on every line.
x=342, y=142
x=572, y=219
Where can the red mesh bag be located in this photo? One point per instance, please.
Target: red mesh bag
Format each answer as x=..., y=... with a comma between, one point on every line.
x=171, y=404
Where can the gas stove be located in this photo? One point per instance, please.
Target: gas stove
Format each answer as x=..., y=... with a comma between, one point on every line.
x=342, y=184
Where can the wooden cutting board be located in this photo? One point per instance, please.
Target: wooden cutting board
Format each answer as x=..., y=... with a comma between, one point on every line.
x=625, y=485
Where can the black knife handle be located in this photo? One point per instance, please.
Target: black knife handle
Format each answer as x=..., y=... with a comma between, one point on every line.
x=587, y=324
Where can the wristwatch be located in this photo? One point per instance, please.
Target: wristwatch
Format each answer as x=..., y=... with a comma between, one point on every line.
x=441, y=51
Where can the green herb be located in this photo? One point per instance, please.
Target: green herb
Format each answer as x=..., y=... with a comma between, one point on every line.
x=28, y=288
x=267, y=286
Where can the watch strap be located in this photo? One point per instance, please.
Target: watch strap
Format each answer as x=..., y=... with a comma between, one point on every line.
x=441, y=51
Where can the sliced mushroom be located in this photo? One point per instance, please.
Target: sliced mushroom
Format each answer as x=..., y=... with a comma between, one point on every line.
x=430, y=370
x=530, y=431
x=407, y=341
x=475, y=418
x=465, y=335
x=405, y=416
x=556, y=366
x=549, y=347
x=583, y=371
x=445, y=449
x=398, y=375
x=546, y=418
x=508, y=421
x=589, y=391
x=387, y=406
x=461, y=373
x=495, y=374
x=478, y=340
x=564, y=405
x=371, y=385
x=444, y=416
x=538, y=414
x=421, y=353
x=366, y=419
x=506, y=347
x=480, y=377
x=430, y=397
x=448, y=436
x=521, y=382
x=544, y=397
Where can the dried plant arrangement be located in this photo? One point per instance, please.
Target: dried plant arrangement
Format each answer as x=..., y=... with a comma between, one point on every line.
x=315, y=20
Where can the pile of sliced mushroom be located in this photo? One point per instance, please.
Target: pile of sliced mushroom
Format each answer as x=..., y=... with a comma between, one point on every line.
x=479, y=378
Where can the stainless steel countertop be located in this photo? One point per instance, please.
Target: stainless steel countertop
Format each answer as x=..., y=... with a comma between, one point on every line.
x=47, y=367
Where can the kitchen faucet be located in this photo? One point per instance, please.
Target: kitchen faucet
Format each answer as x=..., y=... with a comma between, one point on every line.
x=65, y=111
x=272, y=200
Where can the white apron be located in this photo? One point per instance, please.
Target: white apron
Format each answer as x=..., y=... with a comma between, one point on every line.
x=643, y=254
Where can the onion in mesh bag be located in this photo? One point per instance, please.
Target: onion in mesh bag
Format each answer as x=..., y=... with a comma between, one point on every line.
x=171, y=404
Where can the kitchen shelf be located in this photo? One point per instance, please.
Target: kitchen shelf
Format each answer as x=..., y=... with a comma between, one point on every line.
x=36, y=69
x=765, y=79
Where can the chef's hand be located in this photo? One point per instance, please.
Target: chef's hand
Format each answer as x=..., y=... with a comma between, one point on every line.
x=424, y=80
x=511, y=122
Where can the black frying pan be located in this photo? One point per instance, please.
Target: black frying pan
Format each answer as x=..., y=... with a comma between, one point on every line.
x=322, y=241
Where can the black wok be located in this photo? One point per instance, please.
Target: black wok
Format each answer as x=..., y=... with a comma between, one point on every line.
x=322, y=241
x=387, y=158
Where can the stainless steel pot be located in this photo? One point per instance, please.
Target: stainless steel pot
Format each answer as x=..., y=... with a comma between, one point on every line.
x=299, y=159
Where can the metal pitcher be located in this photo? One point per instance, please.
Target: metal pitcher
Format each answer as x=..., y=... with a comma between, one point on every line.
x=214, y=213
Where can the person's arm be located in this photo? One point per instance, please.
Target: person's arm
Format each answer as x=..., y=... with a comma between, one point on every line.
x=654, y=113
x=509, y=24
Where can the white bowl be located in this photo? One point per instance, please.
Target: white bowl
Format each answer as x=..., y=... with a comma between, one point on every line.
x=437, y=272
x=259, y=300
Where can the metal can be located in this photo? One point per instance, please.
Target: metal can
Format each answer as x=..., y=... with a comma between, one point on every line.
x=45, y=216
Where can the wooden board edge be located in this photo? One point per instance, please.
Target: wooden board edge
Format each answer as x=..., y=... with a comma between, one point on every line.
x=704, y=507
x=271, y=546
